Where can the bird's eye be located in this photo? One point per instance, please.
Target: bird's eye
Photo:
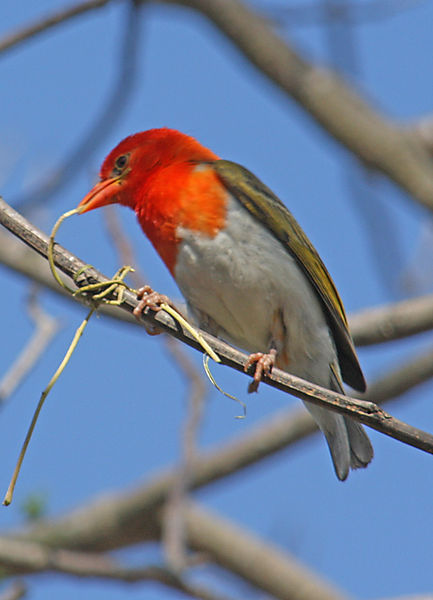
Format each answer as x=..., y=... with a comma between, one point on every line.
x=121, y=161
x=120, y=164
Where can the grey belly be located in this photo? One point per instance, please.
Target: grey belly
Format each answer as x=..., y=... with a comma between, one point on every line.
x=245, y=287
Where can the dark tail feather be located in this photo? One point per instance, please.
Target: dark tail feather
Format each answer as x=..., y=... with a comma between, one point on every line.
x=348, y=443
x=361, y=450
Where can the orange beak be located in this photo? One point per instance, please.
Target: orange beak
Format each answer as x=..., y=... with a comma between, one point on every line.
x=102, y=194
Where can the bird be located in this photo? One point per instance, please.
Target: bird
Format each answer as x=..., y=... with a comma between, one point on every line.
x=246, y=269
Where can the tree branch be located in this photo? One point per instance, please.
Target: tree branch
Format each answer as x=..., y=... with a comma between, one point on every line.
x=392, y=321
x=394, y=151
x=262, y=564
x=22, y=260
x=18, y=556
x=365, y=412
x=398, y=152
x=259, y=563
x=371, y=326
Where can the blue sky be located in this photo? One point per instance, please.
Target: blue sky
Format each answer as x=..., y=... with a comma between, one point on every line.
x=110, y=422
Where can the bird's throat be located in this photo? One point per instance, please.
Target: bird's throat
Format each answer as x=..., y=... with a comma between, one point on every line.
x=183, y=197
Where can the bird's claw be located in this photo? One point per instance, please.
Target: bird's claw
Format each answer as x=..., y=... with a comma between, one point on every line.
x=264, y=363
x=149, y=299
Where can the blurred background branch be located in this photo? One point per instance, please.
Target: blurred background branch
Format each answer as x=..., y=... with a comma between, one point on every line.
x=116, y=104
x=46, y=328
x=42, y=25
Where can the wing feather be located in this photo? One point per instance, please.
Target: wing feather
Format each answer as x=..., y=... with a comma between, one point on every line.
x=263, y=204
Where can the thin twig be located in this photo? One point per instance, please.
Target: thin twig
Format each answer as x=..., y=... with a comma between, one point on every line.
x=365, y=412
x=46, y=328
x=174, y=534
x=114, y=107
x=9, y=493
x=122, y=245
x=20, y=259
x=30, y=31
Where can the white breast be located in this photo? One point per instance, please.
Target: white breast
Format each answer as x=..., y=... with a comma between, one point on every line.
x=245, y=287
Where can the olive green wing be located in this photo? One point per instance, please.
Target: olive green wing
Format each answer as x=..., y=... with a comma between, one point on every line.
x=263, y=204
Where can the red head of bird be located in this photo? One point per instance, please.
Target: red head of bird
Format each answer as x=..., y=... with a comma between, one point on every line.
x=161, y=174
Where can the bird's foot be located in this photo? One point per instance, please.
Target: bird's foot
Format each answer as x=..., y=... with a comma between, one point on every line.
x=264, y=364
x=149, y=299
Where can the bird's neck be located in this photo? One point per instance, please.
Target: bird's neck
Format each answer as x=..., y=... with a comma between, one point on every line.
x=179, y=197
